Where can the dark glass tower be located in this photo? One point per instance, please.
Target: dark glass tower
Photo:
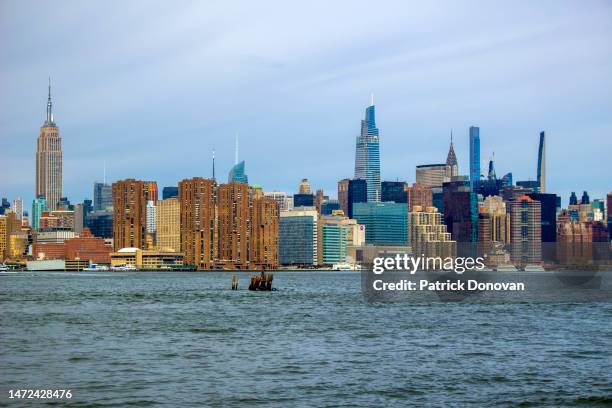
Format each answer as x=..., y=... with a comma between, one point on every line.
x=394, y=191
x=367, y=154
x=474, y=156
x=542, y=163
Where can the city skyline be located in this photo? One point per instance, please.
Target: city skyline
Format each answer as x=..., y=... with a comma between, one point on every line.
x=100, y=117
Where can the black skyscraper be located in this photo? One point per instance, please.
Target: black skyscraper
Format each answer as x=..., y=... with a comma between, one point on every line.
x=394, y=191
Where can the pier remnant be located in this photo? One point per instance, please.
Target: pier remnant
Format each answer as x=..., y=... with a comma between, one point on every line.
x=234, y=282
x=261, y=282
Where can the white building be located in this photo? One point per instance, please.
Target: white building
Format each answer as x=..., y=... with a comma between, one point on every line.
x=151, y=217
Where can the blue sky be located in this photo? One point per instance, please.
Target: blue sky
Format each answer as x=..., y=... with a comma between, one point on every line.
x=150, y=88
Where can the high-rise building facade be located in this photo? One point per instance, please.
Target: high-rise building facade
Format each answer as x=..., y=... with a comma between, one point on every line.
x=263, y=251
x=151, y=217
x=17, y=207
x=169, y=192
x=499, y=218
x=394, y=191
x=103, y=197
x=284, y=200
x=169, y=225
x=49, y=160
x=351, y=191
x=419, y=195
x=303, y=200
x=385, y=223
x=526, y=231
x=367, y=155
x=129, y=209
x=197, y=198
x=474, y=156
x=304, y=187
x=427, y=233
x=541, y=176
x=431, y=175
x=461, y=211
x=452, y=167
x=298, y=237
x=39, y=205
x=237, y=174
x=234, y=225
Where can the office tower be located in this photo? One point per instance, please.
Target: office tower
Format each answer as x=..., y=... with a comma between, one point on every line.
x=4, y=206
x=431, y=175
x=17, y=207
x=329, y=206
x=88, y=206
x=531, y=185
x=573, y=199
x=49, y=159
x=437, y=198
x=304, y=187
x=507, y=180
x=419, y=195
x=367, y=155
x=3, y=237
x=237, y=175
x=333, y=233
x=351, y=192
x=491, y=173
x=609, y=214
x=234, y=225
x=169, y=192
x=427, y=233
x=100, y=223
x=495, y=207
x=197, y=197
x=103, y=197
x=303, y=200
x=319, y=199
x=474, y=156
x=452, y=168
x=485, y=233
x=151, y=217
x=151, y=192
x=526, y=231
x=461, y=210
x=64, y=204
x=39, y=205
x=394, y=191
x=263, y=251
x=285, y=201
x=548, y=211
x=79, y=218
x=130, y=217
x=585, y=198
x=599, y=209
x=385, y=223
x=541, y=176
x=298, y=237
x=65, y=219
x=169, y=225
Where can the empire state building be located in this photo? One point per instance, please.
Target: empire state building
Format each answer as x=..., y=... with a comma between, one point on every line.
x=49, y=160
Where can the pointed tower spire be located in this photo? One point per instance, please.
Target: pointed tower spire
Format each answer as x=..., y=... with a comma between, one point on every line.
x=372, y=99
x=49, y=120
x=213, y=163
x=451, y=160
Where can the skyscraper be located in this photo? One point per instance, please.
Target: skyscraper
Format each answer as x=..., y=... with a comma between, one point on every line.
x=17, y=207
x=237, y=175
x=385, y=223
x=432, y=175
x=169, y=225
x=234, y=225
x=38, y=207
x=367, y=155
x=103, y=196
x=304, y=187
x=474, y=156
x=542, y=163
x=394, y=191
x=526, y=230
x=130, y=218
x=298, y=237
x=49, y=159
x=452, y=168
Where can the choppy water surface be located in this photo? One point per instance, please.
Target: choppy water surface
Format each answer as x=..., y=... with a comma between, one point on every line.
x=185, y=339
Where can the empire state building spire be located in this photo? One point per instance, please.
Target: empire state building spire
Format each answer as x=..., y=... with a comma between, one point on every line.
x=49, y=121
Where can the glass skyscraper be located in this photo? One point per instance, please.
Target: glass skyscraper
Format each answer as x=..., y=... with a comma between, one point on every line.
x=542, y=163
x=385, y=223
x=237, y=175
x=474, y=156
x=367, y=155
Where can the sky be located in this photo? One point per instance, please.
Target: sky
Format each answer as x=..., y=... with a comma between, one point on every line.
x=150, y=88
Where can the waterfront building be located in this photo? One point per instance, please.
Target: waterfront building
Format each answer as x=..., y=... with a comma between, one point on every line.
x=420, y=195
x=151, y=216
x=499, y=218
x=169, y=192
x=4, y=234
x=54, y=236
x=49, y=159
x=548, y=204
x=129, y=208
x=79, y=218
x=169, y=225
x=100, y=223
x=103, y=197
x=427, y=234
x=385, y=223
x=367, y=154
x=197, y=198
x=303, y=200
x=39, y=205
x=452, y=168
x=17, y=207
x=431, y=175
x=609, y=214
x=65, y=219
x=526, y=230
x=263, y=252
x=351, y=191
x=284, y=200
x=146, y=259
x=298, y=237
x=474, y=156
x=581, y=242
x=394, y=191
x=333, y=234
x=541, y=176
x=234, y=225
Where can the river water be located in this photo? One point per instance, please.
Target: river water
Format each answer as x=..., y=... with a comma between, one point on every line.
x=184, y=339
